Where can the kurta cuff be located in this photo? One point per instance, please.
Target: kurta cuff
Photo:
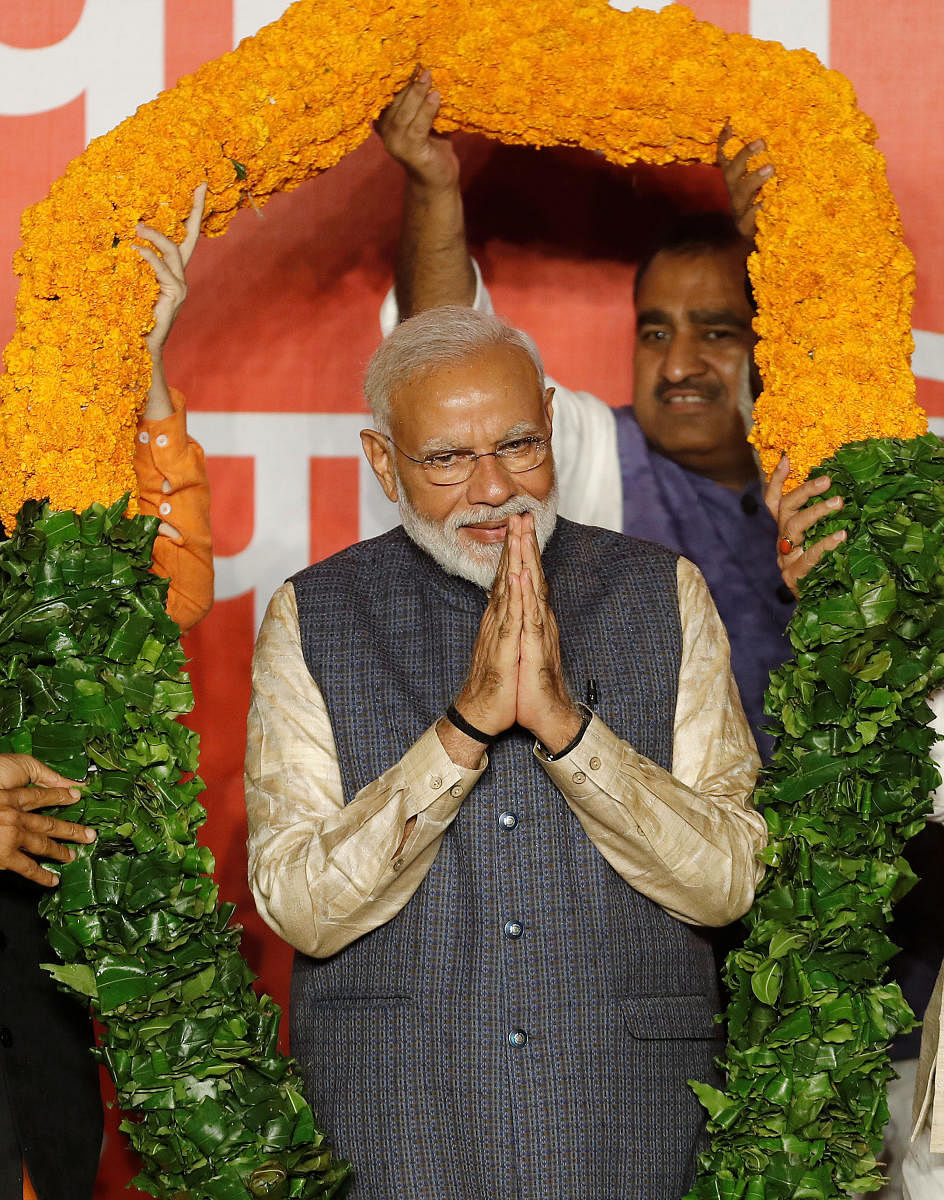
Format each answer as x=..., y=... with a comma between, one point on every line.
x=432, y=777
x=589, y=768
x=168, y=436
x=163, y=451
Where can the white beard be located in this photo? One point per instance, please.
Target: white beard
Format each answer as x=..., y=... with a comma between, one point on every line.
x=470, y=560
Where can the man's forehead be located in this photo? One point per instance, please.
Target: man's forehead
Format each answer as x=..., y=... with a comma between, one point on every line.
x=496, y=388
x=709, y=279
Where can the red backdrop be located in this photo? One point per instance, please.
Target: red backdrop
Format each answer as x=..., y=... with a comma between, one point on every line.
x=282, y=315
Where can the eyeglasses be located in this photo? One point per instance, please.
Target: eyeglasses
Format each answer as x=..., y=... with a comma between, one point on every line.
x=456, y=466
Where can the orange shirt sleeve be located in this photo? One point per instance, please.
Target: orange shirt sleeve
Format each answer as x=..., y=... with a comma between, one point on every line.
x=163, y=451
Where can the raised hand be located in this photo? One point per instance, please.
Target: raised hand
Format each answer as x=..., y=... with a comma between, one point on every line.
x=170, y=267
x=743, y=185
x=794, y=557
x=406, y=129
x=27, y=784
x=544, y=705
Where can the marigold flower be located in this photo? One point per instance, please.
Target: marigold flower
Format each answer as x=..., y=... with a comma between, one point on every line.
x=832, y=277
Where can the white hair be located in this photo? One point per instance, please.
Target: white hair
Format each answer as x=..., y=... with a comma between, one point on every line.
x=433, y=339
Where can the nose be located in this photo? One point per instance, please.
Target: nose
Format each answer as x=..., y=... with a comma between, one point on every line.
x=490, y=482
x=683, y=357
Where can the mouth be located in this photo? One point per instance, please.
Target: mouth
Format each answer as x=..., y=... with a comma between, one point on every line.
x=685, y=399
x=487, y=531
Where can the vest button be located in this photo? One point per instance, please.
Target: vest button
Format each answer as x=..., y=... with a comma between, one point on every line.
x=579, y=777
x=595, y=764
x=513, y=929
x=456, y=790
x=6, y=1038
x=508, y=820
x=518, y=1038
x=398, y=864
x=435, y=782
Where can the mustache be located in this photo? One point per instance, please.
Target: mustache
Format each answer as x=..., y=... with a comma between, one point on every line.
x=701, y=387
x=479, y=514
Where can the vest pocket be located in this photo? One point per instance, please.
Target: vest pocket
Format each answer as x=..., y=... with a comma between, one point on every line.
x=655, y=1018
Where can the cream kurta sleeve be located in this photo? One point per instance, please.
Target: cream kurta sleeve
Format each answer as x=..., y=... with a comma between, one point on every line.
x=688, y=840
x=324, y=872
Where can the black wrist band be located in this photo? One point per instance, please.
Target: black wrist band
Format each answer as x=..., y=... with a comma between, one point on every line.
x=463, y=726
x=587, y=718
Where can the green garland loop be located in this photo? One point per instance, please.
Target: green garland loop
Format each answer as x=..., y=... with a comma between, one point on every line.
x=810, y=1015
x=91, y=683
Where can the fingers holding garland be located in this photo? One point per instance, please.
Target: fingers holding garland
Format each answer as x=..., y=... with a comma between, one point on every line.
x=795, y=557
x=743, y=185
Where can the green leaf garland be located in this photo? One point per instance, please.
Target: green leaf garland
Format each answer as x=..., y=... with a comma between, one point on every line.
x=91, y=683
x=811, y=1015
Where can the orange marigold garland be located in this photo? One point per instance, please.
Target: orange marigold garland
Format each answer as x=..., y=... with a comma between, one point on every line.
x=293, y=100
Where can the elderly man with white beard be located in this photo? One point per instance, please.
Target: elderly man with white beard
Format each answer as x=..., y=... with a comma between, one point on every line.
x=498, y=780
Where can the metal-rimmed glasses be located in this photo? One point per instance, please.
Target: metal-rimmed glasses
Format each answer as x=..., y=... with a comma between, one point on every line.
x=444, y=467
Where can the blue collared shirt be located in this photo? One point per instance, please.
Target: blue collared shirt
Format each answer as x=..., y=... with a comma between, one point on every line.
x=731, y=538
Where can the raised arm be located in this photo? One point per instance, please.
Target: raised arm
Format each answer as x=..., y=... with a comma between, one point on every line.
x=170, y=465
x=433, y=266
x=170, y=264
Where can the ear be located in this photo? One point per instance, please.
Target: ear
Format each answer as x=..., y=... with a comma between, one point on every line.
x=549, y=406
x=378, y=452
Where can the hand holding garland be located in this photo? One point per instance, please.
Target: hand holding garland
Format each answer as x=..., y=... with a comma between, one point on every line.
x=794, y=558
x=27, y=784
x=170, y=264
x=743, y=185
x=406, y=129
x=433, y=265
x=172, y=478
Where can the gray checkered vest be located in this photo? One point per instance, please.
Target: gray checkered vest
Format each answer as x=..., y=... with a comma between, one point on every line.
x=406, y=1038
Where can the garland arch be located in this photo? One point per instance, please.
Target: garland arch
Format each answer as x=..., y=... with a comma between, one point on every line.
x=833, y=281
